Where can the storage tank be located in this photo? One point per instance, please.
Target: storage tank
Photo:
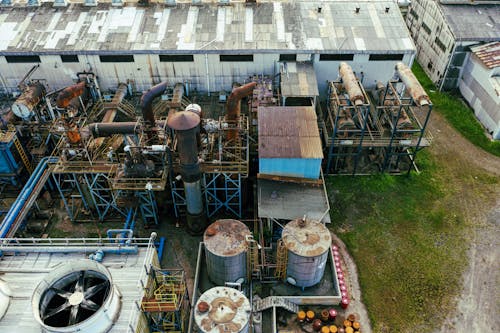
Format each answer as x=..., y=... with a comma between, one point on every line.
x=307, y=242
x=222, y=309
x=226, y=251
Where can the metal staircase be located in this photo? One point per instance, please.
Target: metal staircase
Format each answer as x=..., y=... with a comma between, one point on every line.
x=274, y=301
x=23, y=155
x=252, y=259
x=281, y=260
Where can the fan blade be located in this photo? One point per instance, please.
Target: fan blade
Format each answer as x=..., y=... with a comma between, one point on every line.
x=91, y=291
x=55, y=311
x=89, y=305
x=73, y=316
x=62, y=293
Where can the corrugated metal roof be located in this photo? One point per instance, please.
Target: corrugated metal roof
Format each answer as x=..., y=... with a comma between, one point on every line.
x=298, y=80
x=291, y=26
x=289, y=132
x=488, y=54
x=478, y=22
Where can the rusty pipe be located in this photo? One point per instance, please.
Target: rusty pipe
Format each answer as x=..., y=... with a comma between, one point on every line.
x=67, y=94
x=351, y=84
x=25, y=104
x=147, y=102
x=233, y=106
x=100, y=130
x=413, y=87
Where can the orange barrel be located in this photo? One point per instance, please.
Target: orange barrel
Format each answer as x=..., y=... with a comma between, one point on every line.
x=356, y=325
x=347, y=323
x=333, y=329
x=317, y=324
x=324, y=315
x=309, y=316
x=325, y=329
x=301, y=316
x=349, y=330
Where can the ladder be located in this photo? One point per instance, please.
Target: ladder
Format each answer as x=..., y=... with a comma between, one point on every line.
x=22, y=154
x=274, y=301
x=281, y=260
x=252, y=259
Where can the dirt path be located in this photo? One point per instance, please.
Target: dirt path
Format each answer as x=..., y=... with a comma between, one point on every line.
x=467, y=166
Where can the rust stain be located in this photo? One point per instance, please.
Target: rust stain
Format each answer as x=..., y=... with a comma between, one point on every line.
x=311, y=239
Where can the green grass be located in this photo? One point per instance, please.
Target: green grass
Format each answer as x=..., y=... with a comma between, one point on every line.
x=458, y=114
x=408, y=245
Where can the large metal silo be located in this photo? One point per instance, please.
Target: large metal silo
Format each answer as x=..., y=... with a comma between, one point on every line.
x=226, y=250
x=222, y=309
x=307, y=242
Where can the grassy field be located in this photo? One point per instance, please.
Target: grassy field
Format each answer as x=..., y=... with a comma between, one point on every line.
x=458, y=114
x=407, y=245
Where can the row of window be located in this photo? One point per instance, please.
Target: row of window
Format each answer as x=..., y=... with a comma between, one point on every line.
x=189, y=58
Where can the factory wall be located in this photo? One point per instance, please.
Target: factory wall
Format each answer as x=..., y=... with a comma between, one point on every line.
x=291, y=167
x=203, y=72
x=478, y=86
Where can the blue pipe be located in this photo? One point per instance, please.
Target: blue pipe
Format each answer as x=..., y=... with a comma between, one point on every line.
x=160, y=248
x=127, y=220
x=18, y=205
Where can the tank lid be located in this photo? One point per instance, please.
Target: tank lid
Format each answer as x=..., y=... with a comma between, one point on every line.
x=183, y=120
x=226, y=237
x=307, y=238
x=229, y=311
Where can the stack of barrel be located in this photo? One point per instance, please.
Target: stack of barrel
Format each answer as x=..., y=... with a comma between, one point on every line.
x=344, y=303
x=325, y=322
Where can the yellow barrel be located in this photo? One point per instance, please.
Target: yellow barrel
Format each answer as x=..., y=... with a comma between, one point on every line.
x=333, y=329
x=349, y=330
x=309, y=315
x=325, y=329
x=301, y=315
x=356, y=325
x=347, y=323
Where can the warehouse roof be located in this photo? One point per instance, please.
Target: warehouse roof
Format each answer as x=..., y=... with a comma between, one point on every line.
x=289, y=132
x=477, y=22
x=298, y=80
x=488, y=54
x=297, y=26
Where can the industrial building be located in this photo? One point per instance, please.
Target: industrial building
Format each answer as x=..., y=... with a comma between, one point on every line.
x=444, y=31
x=480, y=85
x=220, y=117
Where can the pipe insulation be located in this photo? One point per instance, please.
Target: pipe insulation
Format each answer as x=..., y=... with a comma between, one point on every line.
x=351, y=84
x=69, y=93
x=413, y=87
x=233, y=107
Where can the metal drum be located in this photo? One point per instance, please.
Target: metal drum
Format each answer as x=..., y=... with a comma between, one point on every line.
x=307, y=242
x=222, y=309
x=226, y=251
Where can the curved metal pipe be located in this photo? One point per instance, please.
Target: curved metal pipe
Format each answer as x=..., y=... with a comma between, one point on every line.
x=147, y=102
x=99, y=130
x=414, y=88
x=351, y=84
x=233, y=106
x=67, y=94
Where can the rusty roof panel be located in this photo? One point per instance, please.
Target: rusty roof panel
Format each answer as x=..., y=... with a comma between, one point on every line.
x=289, y=132
x=488, y=54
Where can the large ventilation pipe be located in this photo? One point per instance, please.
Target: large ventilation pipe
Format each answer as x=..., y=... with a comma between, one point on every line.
x=351, y=84
x=147, y=103
x=25, y=104
x=412, y=85
x=233, y=107
x=186, y=126
x=102, y=130
x=67, y=94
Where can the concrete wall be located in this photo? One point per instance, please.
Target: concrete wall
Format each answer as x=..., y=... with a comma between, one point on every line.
x=205, y=73
x=482, y=93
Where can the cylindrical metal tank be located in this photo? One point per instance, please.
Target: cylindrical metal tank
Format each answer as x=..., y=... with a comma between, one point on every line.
x=413, y=86
x=222, y=309
x=307, y=242
x=351, y=84
x=226, y=251
x=25, y=104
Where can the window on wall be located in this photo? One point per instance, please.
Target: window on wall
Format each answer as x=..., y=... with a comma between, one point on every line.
x=69, y=58
x=386, y=57
x=176, y=58
x=440, y=44
x=236, y=57
x=22, y=59
x=414, y=14
x=336, y=57
x=288, y=57
x=117, y=58
x=426, y=28
x=430, y=65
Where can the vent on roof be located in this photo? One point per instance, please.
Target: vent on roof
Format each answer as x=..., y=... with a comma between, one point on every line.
x=90, y=3
x=5, y=3
x=60, y=3
x=116, y=3
x=32, y=3
x=77, y=297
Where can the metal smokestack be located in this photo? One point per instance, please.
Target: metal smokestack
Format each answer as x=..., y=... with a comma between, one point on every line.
x=233, y=107
x=147, y=103
x=412, y=85
x=351, y=84
x=186, y=126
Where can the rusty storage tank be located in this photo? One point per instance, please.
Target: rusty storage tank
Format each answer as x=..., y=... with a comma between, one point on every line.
x=226, y=251
x=222, y=309
x=307, y=242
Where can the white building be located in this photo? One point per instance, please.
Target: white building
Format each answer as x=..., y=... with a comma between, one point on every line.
x=207, y=45
x=443, y=31
x=480, y=85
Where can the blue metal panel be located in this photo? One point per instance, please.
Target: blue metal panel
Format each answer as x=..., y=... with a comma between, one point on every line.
x=291, y=167
x=8, y=164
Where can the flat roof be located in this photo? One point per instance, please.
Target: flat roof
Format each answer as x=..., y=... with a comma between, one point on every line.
x=473, y=22
x=298, y=80
x=295, y=26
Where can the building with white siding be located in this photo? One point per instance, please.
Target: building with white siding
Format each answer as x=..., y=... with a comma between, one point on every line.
x=444, y=30
x=480, y=85
x=202, y=43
